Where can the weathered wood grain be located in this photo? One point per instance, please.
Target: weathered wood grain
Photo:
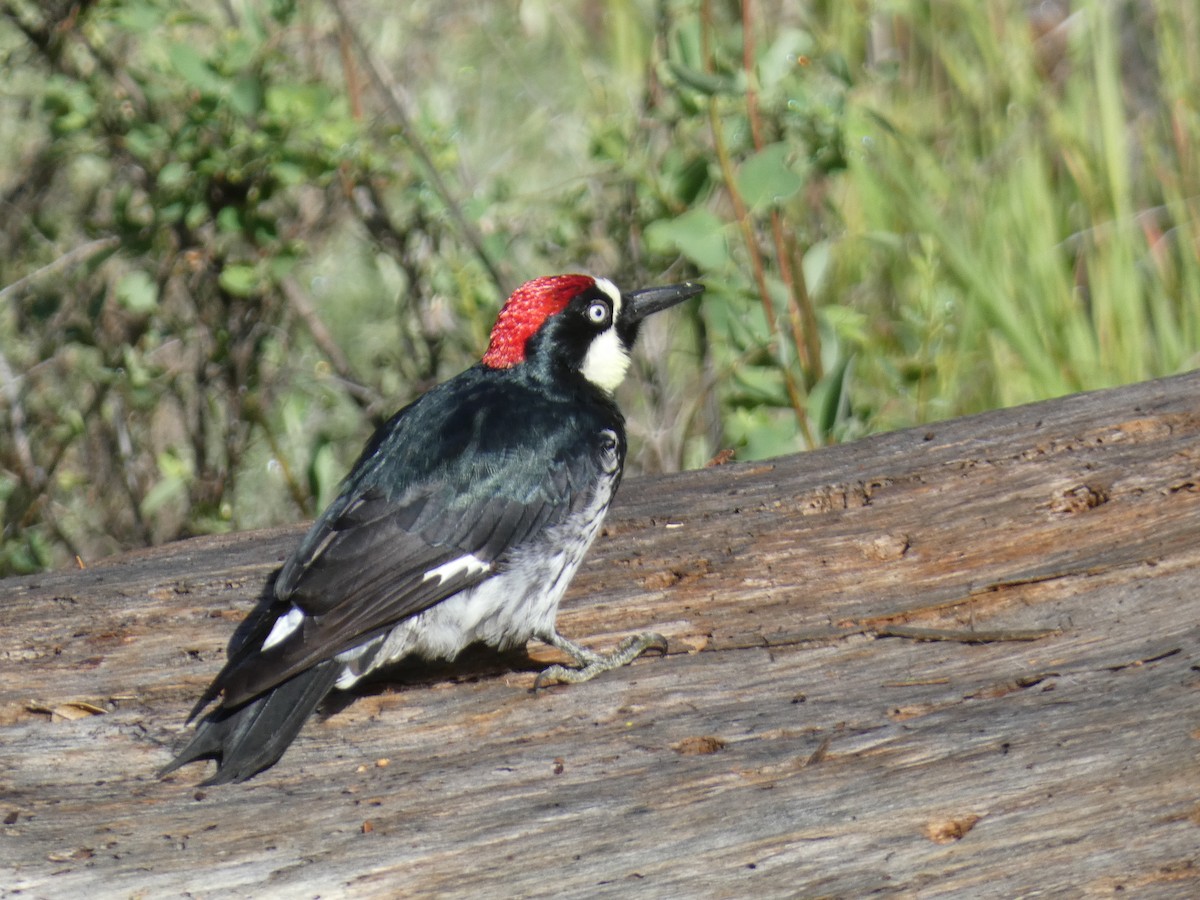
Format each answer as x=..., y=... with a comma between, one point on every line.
x=785, y=747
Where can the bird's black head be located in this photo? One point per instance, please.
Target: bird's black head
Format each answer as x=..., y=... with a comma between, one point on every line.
x=582, y=323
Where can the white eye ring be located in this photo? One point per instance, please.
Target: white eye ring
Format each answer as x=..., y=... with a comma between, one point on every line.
x=598, y=312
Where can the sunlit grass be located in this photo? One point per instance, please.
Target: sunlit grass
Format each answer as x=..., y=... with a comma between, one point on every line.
x=1041, y=187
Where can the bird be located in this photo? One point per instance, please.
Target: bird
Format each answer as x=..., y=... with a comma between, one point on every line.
x=463, y=521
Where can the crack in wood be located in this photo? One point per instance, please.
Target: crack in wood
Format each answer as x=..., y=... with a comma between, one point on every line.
x=964, y=636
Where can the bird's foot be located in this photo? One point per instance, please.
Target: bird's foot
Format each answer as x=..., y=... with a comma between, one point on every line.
x=591, y=663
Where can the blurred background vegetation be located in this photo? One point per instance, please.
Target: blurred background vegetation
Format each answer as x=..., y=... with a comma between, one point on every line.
x=236, y=235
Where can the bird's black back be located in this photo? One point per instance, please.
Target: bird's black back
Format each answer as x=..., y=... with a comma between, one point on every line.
x=479, y=465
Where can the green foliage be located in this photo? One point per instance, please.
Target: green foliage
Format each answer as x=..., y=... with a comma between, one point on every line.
x=198, y=142
x=1037, y=253
x=231, y=252
x=769, y=121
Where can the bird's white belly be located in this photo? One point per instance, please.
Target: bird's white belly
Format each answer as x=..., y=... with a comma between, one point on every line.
x=503, y=611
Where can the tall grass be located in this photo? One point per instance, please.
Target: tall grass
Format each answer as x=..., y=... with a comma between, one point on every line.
x=1039, y=185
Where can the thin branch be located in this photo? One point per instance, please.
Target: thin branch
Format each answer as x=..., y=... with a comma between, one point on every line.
x=302, y=305
x=74, y=257
x=122, y=442
x=303, y=500
x=395, y=104
x=350, y=73
x=30, y=473
x=36, y=496
x=742, y=215
x=756, y=129
x=801, y=316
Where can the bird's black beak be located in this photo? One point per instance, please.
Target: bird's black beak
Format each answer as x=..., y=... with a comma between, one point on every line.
x=651, y=300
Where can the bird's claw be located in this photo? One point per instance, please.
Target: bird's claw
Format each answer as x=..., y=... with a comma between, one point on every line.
x=593, y=663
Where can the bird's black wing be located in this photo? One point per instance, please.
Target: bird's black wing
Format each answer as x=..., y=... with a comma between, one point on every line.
x=407, y=533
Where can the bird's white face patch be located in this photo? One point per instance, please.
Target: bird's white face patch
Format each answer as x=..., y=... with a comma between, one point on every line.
x=603, y=284
x=607, y=358
x=468, y=564
x=283, y=627
x=606, y=361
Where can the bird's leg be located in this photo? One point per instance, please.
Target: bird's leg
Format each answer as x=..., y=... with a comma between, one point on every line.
x=591, y=663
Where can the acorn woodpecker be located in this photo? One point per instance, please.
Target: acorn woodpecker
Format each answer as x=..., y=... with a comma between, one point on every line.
x=463, y=521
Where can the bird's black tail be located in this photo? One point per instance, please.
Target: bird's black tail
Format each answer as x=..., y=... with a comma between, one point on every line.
x=251, y=737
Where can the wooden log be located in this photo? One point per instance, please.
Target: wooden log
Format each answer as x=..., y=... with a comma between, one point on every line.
x=962, y=659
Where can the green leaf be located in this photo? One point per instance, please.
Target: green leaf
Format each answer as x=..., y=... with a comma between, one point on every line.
x=174, y=174
x=698, y=234
x=765, y=178
x=295, y=103
x=196, y=215
x=289, y=173
x=324, y=472
x=281, y=265
x=741, y=322
x=139, y=17
x=246, y=97
x=816, y=266
x=161, y=494
x=846, y=324
x=239, y=53
x=782, y=58
x=829, y=401
x=763, y=433
x=241, y=281
x=172, y=465
x=686, y=181
x=147, y=140
x=176, y=474
x=229, y=219
x=703, y=82
x=760, y=385
x=194, y=68
x=137, y=292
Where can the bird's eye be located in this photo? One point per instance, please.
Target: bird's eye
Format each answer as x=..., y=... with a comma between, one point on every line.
x=598, y=312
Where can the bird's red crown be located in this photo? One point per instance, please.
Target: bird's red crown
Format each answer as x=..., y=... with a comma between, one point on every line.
x=524, y=312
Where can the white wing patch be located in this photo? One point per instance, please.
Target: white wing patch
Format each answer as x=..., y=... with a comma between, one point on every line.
x=464, y=565
x=283, y=627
